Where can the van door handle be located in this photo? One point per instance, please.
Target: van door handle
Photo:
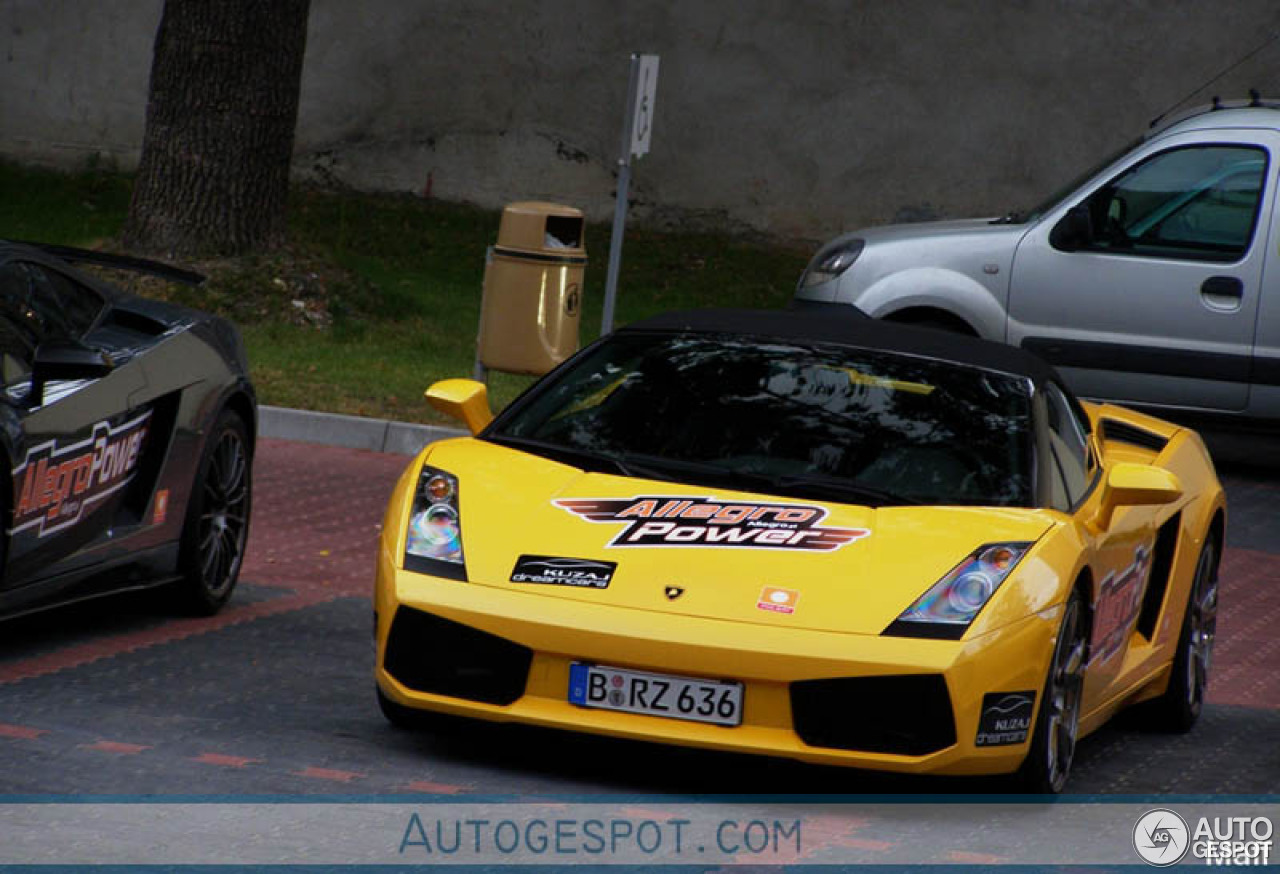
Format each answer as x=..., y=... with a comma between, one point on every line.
x=1223, y=286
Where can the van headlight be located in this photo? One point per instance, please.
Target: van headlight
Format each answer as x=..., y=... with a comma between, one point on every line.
x=832, y=259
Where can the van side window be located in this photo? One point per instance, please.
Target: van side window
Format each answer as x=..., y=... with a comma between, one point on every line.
x=1197, y=203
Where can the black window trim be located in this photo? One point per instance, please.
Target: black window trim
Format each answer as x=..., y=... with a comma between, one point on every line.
x=71, y=277
x=1207, y=258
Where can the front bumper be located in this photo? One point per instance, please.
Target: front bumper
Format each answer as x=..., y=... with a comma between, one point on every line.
x=540, y=636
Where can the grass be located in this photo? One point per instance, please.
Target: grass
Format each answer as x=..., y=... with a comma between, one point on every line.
x=378, y=296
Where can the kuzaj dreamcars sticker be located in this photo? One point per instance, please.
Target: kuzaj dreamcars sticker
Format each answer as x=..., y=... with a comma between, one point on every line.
x=707, y=522
x=552, y=571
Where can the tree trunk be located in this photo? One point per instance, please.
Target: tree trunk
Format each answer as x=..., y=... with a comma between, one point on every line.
x=223, y=104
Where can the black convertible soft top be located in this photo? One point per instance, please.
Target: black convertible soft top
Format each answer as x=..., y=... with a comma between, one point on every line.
x=845, y=325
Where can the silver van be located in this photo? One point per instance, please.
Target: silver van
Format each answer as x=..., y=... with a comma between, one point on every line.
x=1154, y=280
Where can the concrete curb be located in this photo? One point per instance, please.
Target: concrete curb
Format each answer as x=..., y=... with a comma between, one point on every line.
x=351, y=432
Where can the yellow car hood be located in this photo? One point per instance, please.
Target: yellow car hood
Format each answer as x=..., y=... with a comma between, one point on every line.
x=740, y=556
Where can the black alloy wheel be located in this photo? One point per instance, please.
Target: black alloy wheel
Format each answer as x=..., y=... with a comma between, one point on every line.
x=217, y=524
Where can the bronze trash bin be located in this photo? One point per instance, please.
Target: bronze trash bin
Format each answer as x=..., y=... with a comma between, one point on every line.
x=533, y=289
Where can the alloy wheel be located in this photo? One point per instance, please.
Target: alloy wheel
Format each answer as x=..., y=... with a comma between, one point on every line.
x=224, y=513
x=1062, y=697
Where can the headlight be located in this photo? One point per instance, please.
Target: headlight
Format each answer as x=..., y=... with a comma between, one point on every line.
x=434, y=539
x=831, y=260
x=953, y=602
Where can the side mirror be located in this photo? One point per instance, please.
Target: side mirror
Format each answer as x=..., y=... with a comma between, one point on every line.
x=1135, y=485
x=66, y=359
x=1074, y=230
x=1118, y=210
x=463, y=399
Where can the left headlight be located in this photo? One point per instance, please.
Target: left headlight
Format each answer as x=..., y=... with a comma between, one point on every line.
x=433, y=543
x=832, y=260
x=953, y=602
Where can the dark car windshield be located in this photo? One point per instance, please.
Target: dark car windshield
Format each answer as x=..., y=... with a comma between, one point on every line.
x=850, y=425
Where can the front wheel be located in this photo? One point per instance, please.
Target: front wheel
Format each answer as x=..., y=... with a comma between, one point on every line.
x=411, y=719
x=217, y=523
x=1053, y=746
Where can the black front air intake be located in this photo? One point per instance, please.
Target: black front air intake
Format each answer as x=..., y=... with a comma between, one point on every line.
x=907, y=715
x=427, y=653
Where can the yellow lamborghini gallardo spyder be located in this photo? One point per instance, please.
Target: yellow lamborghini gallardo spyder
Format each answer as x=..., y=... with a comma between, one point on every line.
x=804, y=534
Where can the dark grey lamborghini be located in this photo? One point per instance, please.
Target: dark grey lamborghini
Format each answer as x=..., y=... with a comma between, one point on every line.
x=127, y=426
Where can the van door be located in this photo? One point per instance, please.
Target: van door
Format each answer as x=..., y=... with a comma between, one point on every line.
x=1145, y=287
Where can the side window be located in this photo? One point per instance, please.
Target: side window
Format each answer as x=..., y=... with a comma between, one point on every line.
x=20, y=329
x=1197, y=203
x=1069, y=445
x=63, y=301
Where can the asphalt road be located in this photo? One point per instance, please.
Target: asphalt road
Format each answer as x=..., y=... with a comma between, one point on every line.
x=275, y=695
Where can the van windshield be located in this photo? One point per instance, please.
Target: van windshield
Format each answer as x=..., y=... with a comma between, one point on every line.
x=1019, y=217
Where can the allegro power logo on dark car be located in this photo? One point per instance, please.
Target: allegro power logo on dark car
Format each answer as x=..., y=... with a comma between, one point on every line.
x=56, y=485
x=706, y=522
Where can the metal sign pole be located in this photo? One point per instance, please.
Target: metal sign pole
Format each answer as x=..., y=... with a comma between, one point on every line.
x=637, y=126
x=620, y=202
x=480, y=372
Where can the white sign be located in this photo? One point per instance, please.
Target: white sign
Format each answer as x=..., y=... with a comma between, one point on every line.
x=645, y=96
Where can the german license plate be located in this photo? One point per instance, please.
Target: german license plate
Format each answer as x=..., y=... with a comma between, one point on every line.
x=717, y=702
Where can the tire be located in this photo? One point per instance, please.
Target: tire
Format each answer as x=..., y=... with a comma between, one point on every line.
x=397, y=714
x=409, y=719
x=936, y=323
x=1048, y=762
x=1177, y=710
x=217, y=525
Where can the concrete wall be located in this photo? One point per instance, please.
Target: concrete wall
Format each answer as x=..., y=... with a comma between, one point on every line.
x=799, y=118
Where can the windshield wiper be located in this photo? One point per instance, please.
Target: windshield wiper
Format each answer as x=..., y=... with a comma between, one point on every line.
x=575, y=456
x=659, y=464
x=847, y=489
x=796, y=485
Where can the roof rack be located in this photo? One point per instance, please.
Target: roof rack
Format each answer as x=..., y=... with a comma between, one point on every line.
x=1254, y=101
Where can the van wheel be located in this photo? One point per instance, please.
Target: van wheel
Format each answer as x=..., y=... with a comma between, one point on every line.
x=934, y=322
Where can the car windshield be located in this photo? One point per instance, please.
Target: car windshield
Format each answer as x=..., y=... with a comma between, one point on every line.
x=844, y=424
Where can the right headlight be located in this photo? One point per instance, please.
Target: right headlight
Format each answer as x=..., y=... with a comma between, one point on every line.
x=433, y=543
x=832, y=260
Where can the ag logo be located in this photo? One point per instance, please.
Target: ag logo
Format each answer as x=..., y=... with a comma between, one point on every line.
x=1161, y=837
x=673, y=592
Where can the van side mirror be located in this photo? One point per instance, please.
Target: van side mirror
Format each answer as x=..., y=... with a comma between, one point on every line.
x=1074, y=230
x=1135, y=485
x=463, y=399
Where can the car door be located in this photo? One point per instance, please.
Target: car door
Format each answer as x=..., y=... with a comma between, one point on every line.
x=79, y=436
x=1157, y=302
x=1120, y=554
